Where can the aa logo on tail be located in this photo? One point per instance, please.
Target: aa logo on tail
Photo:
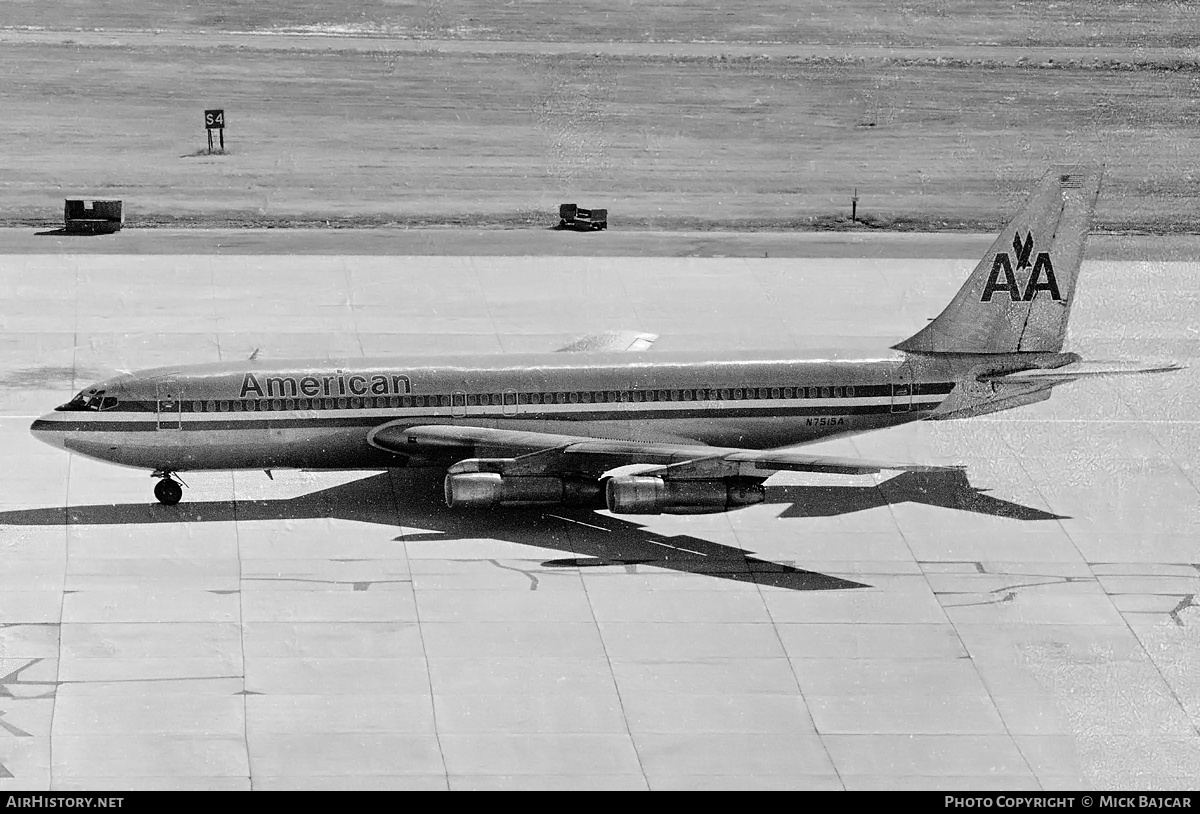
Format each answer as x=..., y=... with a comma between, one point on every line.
x=1002, y=278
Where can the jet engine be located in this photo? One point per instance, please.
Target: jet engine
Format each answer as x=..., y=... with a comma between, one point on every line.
x=481, y=490
x=646, y=494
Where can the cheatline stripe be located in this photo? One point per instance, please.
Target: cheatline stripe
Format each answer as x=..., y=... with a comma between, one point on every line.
x=789, y=406
x=373, y=418
x=864, y=394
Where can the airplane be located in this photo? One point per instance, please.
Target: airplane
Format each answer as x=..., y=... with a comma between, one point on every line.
x=707, y=428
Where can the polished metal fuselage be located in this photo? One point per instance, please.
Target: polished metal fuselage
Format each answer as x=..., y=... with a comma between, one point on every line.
x=318, y=414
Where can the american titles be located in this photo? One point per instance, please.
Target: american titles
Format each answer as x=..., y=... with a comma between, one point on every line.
x=330, y=384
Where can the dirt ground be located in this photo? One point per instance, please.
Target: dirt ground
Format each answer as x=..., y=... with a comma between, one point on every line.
x=1090, y=23
x=667, y=138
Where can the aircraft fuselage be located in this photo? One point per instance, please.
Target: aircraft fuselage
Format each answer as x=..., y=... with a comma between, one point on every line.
x=318, y=415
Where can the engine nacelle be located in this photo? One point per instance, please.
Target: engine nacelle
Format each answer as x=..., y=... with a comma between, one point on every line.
x=481, y=490
x=646, y=494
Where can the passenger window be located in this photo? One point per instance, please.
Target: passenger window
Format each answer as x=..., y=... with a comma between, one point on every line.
x=850, y=391
x=788, y=392
x=341, y=402
x=211, y=406
x=237, y=406
x=774, y=392
x=224, y=406
x=824, y=392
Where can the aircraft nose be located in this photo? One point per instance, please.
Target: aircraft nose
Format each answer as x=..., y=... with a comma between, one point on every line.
x=45, y=429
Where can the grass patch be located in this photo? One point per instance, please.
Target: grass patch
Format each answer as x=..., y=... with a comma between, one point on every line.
x=370, y=138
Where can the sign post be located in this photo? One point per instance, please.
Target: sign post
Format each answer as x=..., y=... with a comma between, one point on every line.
x=215, y=120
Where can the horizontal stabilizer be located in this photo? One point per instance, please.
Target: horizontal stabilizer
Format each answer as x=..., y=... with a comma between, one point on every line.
x=612, y=341
x=1082, y=370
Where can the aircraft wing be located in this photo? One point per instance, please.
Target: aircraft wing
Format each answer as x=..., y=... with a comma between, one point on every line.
x=1082, y=370
x=532, y=453
x=612, y=341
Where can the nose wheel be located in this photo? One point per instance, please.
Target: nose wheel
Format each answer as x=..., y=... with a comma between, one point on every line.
x=168, y=491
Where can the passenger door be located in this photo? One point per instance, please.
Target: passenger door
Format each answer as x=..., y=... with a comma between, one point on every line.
x=170, y=404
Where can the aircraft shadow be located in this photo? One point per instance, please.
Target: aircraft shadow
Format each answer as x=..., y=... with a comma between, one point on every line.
x=62, y=231
x=947, y=490
x=411, y=499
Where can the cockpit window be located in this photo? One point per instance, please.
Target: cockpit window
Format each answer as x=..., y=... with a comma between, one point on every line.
x=91, y=399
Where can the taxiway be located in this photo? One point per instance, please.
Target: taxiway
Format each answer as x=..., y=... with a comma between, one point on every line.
x=1032, y=625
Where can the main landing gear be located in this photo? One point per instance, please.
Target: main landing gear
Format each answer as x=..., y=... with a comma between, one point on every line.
x=167, y=490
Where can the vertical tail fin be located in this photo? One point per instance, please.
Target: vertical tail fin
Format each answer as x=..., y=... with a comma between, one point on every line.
x=1019, y=296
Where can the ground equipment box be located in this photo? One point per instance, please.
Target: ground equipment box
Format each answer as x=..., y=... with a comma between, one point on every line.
x=571, y=216
x=81, y=216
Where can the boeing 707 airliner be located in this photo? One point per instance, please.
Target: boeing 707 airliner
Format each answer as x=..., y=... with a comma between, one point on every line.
x=551, y=428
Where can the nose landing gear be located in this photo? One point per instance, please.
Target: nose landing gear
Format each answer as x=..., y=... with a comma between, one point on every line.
x=167, y=490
